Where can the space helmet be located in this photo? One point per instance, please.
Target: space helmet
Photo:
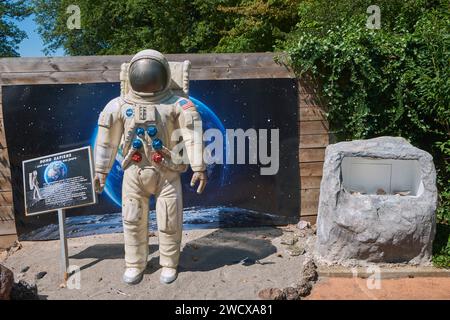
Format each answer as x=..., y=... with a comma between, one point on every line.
x=149, y=73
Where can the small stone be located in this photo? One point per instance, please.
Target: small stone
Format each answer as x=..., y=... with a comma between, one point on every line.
x=6, y=283
x=308, y=271
x=295, y=250
x=25, y=269
x=279, y=255
x=289, y=239
x=40, y=275
x=381, y=192
x=271, y=294
x=303, y=224
x=291, y=293
x=100, y=279
x=304, y=288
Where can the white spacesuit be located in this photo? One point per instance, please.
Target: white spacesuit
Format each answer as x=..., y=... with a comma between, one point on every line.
x=142, y=124
x=34, y=185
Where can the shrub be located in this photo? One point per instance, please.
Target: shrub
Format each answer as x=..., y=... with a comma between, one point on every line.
x=390, y=81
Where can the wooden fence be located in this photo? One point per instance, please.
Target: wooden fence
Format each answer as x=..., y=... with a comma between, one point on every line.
x=313, y=129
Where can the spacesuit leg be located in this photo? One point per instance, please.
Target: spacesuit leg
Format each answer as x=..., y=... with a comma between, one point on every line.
x=169, y=215
x=38, y=192
x=135, y=220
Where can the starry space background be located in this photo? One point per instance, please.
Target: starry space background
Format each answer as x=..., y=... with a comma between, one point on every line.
x=46, y=119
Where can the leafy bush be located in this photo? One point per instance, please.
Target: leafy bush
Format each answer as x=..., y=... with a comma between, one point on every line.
x=391, y=81
x=441, y=246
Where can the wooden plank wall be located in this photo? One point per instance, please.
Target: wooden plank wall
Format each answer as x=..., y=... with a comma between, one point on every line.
x=314, y=137
x=7, y=225
x=313, y=129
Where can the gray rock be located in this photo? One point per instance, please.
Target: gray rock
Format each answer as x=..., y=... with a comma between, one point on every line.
x=303, y=224
x=22, y=290
x=25, y=269
x=291, y=293
x=295, y=250
x=309, y=271
x=289, y=238
x=304, y=288
x=358, y=228
x=6, y=282
x=40, y=275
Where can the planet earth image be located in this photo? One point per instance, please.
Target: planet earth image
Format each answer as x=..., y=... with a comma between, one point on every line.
x=55, y=171
x=113, y=185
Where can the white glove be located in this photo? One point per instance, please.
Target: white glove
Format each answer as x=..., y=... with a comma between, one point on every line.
x=99, y=181
x=199, y=176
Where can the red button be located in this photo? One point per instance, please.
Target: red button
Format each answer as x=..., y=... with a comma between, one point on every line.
x=157, y=157
x=136, y=157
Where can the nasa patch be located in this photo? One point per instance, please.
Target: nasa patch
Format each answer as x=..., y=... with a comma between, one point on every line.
x=129, y=112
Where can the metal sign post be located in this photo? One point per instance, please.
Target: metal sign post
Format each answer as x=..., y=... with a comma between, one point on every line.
x=63, y=240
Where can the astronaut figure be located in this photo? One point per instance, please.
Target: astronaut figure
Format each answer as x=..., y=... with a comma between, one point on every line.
x=148, y=123
x=34, y=185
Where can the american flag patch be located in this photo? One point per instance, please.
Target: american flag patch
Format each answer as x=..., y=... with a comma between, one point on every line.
x=186, y=104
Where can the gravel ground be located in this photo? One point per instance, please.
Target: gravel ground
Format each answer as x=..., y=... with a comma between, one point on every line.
x=215, y=264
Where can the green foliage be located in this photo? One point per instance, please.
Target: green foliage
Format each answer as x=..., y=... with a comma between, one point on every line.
x=391, y=81
x=441, y=246
x=127, y=26
x=10, y=35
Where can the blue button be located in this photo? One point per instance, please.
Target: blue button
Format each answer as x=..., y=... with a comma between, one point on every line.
x=137, y=144
x=140, y=131
x=152, y=131
x=157, y=144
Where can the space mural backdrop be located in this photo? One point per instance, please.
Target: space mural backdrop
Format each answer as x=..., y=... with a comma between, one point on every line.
x=46, y=119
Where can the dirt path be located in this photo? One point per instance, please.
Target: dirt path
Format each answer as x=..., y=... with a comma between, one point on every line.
x=405, y=288
x=210, y=266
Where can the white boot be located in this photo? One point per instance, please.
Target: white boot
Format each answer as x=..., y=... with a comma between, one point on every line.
x=133, y=275
x=168, y=275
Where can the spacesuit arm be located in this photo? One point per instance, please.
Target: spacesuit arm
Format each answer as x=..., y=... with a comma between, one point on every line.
x=191, y=125
x=110, y=129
